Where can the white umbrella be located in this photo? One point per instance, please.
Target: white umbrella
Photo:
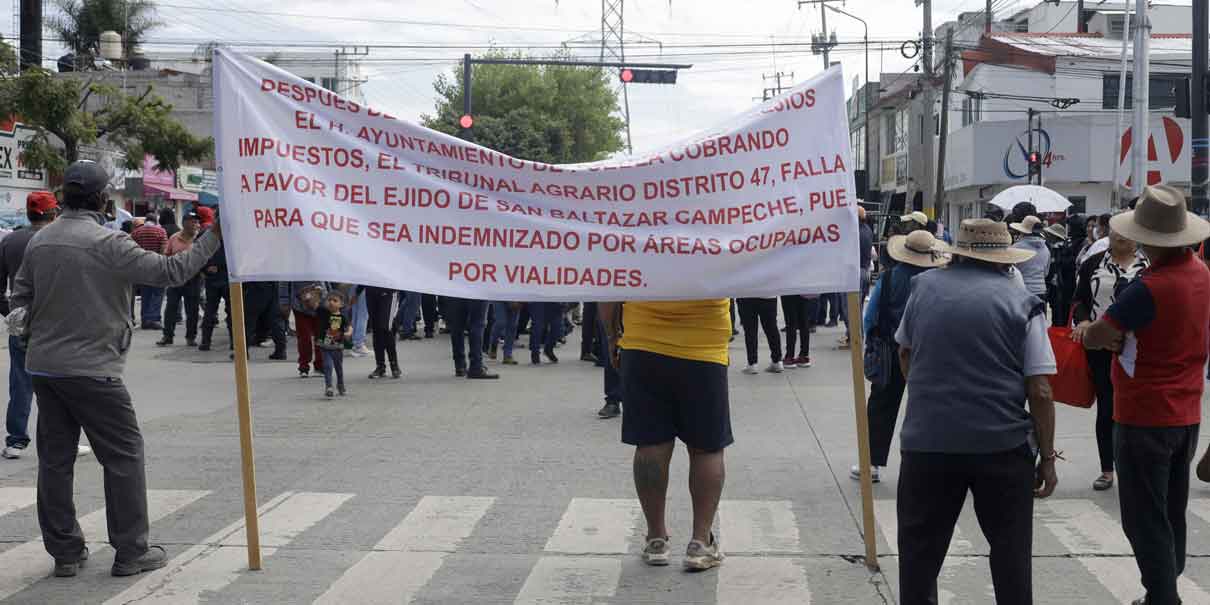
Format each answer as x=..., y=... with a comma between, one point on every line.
x=1045, y=200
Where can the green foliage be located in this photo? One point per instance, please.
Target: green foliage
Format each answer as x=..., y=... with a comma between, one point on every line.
x=552, y=114
x=79, y=23
x=58, y=106
x=8, y=59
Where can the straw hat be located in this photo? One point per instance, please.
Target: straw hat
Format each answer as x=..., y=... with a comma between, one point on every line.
x=1160, y=219
x=986, y=240
x=917, y=217
x=1028, y=225
x=919, y=248
x=1057, y=230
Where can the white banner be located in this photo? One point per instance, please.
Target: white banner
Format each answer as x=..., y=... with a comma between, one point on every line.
x=314, y=186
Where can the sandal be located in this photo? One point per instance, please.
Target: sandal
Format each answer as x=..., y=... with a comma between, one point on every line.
x=1102, y=483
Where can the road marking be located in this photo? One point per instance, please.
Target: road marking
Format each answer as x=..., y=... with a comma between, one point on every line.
x=221, y=558
x=955, y=560
x=767, y=581
x=593, y=526
x=1083, y=528
x=16, y=498
x=24, y=565
x=758, y=526
x=571, y=581
x=409, y=555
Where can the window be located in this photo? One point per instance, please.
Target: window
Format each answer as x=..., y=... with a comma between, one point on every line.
x=328, y=83
x=888, y=134
x=1117, y=25
x=901, y=131
x=311, y=80
x=972, y=110
x=1021, y=27
x=1163, y=90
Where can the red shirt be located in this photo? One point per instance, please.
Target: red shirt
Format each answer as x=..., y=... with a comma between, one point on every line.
x=1159, y=376
x=150, y=237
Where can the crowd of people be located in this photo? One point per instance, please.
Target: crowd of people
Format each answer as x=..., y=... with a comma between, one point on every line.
x=959, y=321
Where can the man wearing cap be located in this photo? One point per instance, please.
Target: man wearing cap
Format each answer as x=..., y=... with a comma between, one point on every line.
x=75, y=284
x=974, y=348
x=41, y=208
x=1160, y=323
x=914, y=221
x=1034, y=270
x=151, y=237
x=914, y=254
x=190, y=292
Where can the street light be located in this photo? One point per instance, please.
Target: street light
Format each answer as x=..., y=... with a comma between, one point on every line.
x=865, y=90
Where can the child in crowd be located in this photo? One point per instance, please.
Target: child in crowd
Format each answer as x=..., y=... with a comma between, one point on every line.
x=334, y=331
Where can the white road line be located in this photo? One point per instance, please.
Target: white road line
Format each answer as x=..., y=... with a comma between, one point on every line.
x=758, y=527
x=955, y=561
x=221, y=558
x=24, y=565
x=16, y=498
x=571, y=581
x=409, y=555
x=1083, y=528
x=595, y=526
x=762, y=581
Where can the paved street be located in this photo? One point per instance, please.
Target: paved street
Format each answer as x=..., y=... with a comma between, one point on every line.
x=440, y=490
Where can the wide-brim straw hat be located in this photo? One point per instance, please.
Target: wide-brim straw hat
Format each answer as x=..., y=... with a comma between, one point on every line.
x=918, y=248
x=1057, y=230
x=1028, y=225
x=1161, y=219
x=986, y=240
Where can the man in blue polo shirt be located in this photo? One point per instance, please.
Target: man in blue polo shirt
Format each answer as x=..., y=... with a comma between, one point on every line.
x=1160, y=325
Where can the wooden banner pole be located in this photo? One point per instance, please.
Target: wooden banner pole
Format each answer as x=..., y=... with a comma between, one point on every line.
x=243, y=407
x=857, y=350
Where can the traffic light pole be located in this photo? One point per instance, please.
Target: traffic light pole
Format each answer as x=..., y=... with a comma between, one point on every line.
x=1201, y=138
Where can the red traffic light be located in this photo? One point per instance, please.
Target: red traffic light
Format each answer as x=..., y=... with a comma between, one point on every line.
x=1033, y=157
x=466, y=121
x=627, y=75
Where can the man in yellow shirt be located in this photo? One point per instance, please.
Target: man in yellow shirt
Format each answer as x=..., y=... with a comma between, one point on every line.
x=673, y=361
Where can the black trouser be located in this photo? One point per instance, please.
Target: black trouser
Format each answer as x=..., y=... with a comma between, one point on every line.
x=800, y=313
x=102, y=407
x=764, y=310
x=465, y=319
x=191, y=293
x=1101, y=363
x=261, y=310
x=1153, y=491
x=883, y=410
x=378, y=310
x=932, y=490
x=589, y=338
x=428, y=309
x=214, y=295
x=547, y=326
x=613, y=378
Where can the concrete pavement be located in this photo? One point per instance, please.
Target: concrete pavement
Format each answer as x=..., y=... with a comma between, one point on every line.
x=441, y=490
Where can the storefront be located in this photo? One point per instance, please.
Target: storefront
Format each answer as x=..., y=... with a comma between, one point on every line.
x=16, y=181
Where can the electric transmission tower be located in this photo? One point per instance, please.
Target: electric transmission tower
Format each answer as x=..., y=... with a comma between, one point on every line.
x=613, y=48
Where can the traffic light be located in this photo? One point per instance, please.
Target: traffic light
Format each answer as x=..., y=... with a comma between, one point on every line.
x=648, y=76
x=1035, y=163
x=466, y=121
x=1180, y=90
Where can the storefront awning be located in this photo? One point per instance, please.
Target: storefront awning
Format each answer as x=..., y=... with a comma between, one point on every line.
x=171, y=193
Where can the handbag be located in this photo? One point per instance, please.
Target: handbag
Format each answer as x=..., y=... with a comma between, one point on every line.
x=879, y=354
x=1072, y=384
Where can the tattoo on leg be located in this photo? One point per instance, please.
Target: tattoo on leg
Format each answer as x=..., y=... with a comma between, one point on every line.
x=649, y=473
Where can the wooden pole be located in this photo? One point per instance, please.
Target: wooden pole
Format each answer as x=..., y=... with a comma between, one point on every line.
x=856, y=350
x=243, y=406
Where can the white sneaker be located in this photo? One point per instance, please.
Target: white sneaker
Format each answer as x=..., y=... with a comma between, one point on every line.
x=751, y=370
x=12, y=452
x=360, y=351
x=83, y=450
x=776, y=368
x=855, y=473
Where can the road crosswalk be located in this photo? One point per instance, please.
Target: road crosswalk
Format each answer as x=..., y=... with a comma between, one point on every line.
x=587, y=557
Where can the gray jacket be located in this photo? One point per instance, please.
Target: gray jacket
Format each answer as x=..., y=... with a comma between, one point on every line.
x=76, y=282
x=1033, y=271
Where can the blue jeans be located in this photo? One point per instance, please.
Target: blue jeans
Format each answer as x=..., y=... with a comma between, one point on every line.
x=547, y=325
x=358, y=317
x=409, y=308
x=153, y=300
x=20, y=395
x=505, y=326
x=466, y=319
x=334, y=362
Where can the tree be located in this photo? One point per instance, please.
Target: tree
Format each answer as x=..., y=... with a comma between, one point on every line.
x=80, y=22
x=551, y=114
x=57, y=105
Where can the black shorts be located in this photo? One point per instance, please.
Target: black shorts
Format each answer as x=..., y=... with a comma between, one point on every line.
x=669, y=398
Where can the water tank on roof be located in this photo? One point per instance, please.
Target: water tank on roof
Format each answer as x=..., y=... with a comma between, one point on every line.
x=111, y=45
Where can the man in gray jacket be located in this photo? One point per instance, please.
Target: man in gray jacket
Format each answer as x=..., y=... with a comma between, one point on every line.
x=75, y=285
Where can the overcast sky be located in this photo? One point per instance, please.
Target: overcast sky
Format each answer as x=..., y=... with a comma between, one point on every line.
x=722, y=82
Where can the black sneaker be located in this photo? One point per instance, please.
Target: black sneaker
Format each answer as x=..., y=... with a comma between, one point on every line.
x=481, y=373
x=329, y=393
x=460, y=372
x=69, y=569
x=378, y=372
x=304, y=373
x=278, y=356
x=155, y=558
x=550, y=354
x=535, y=358
x=612, y=409
x=589, y=357
x=428, y=334
x=191, y=342
x=340, y=388
x=396, y=373
x=164, y=342
x=205, y=346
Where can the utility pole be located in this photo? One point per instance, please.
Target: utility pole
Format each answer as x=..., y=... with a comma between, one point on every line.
x=613, y=48
x=928, y=102
x=945, y=118
x=823, y=19
x=769, y=92
x=1197, y=86
x=1081, y=26
x=987, y=18
x=1142, y=98
x=31, y=34
x=824, y=43
x=1115, y=193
